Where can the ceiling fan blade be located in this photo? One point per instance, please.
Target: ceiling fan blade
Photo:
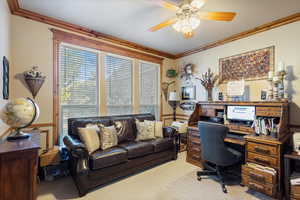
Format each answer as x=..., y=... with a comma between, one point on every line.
x=218, y=16
x=163, y=24
x=166, y=4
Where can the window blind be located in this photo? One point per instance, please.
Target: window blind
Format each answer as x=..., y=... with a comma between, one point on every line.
x=118, y=78
x=78, y=84
x=149, y=89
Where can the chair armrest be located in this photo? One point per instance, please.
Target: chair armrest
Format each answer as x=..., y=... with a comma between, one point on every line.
x=169, y=131
x=75, y=147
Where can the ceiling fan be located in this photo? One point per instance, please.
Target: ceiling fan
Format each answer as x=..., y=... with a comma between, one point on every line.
x=188, y=16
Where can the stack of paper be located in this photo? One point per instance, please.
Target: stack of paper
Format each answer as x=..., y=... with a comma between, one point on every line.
x=262, y=168
x=295, y=178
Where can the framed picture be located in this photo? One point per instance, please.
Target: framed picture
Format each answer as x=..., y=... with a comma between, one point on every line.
x=263, y=95
x=188, y=92
x=5, y=90
x=253, y=65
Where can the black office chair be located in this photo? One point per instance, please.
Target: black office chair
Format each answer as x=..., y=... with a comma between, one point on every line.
x=215, y=153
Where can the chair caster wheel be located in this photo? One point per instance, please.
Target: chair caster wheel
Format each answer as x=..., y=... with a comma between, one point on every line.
x=199, y=178
x=224, y=189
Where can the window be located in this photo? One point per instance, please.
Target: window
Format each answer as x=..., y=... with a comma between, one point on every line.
x=118, y=78
x=78, y=84
x=89, y=88
x=149, y=88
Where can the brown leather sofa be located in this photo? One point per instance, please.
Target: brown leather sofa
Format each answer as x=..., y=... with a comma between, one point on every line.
x=129, y=157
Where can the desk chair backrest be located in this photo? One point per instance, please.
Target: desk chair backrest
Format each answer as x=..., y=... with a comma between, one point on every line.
x=214, y=150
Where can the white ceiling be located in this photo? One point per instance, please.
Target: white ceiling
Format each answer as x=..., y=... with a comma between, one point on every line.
x=131, y=19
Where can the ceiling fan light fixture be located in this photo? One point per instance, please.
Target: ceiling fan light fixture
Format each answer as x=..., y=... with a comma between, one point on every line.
x=187, y=25
x=197, y=4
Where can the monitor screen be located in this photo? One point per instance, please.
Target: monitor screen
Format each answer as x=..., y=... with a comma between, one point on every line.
x=245, y=113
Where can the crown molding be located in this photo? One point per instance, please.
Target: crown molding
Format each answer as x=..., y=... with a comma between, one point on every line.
x=17, y=10
x=258, y=29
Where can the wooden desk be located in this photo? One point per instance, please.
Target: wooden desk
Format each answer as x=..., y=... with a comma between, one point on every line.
x=18, y=168
x=263, y=150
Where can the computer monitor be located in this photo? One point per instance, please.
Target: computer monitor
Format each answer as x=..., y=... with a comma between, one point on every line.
x=243, y=113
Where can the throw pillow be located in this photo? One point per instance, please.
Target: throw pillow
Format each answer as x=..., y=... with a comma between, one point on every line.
x=90, y=138
x=158, y=129
x=145, y=130
x=108, y=136
x=125, y=130
x=95, y=126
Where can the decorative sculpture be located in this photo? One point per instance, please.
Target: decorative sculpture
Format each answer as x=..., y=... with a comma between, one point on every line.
x=187, y=72
x=208, y=80
x=34, y=80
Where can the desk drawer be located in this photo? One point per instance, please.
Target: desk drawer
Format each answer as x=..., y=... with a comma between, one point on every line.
x=193, y=147
x=265, y=188
x=195, y=155
x=262, y=149
x=268, y=111
x=194, y=134
x=258, y=175
x=262, y=160
x=295, y=190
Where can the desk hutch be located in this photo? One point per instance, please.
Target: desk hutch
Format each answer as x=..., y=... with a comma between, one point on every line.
x=263, y=150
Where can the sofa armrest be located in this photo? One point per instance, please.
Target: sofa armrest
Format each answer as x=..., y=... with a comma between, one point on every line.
x=169, y=131
x=75, y=147
x=79, y=164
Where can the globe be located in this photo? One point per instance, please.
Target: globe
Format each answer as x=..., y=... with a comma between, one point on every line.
x=20, y=113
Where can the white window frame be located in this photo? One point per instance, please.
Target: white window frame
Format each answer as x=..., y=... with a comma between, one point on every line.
x=140, y=62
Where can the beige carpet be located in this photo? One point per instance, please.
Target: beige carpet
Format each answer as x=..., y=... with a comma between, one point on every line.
x=175, y=180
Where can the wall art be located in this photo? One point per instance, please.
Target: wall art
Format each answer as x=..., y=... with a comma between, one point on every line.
x=5, y=90
x=253, y=65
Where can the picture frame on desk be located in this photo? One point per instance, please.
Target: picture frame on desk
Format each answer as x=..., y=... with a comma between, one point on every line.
x=263, y=95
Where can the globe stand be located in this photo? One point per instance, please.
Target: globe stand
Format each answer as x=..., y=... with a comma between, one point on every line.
x=18, y=135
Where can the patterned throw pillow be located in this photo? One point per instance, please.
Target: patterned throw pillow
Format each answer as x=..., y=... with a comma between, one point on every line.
x=145, y=130
x=158, y=128
x=125, y=130
x=90, y=138
x=108, y=136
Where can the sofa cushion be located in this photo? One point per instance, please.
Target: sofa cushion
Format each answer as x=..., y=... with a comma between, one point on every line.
x=162, y=144
x=90, y=138
x=125, y=129
x=108, y=135
x=105, y=158
x=137, y=149
x=145, y=130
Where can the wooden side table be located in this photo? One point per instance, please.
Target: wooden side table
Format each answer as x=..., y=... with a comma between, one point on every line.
x=18, y=168
x=287, y=171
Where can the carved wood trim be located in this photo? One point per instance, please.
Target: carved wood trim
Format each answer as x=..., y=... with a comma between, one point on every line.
x=55, y=108
x=75, y=39
x=17, y=10
x=258, y=29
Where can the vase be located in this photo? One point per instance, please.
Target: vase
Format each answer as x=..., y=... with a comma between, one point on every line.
x=209, y=94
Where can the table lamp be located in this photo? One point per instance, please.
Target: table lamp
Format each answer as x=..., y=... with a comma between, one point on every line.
x=173, y=102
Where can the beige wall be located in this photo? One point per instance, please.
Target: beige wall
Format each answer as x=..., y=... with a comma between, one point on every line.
x=4, y=48
x=32, y=45
x=287, y=47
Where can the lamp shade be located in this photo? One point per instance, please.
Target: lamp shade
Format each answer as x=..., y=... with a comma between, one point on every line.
x=173, y=96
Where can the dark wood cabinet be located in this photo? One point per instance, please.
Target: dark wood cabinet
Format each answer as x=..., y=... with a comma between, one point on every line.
x=18, y=169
